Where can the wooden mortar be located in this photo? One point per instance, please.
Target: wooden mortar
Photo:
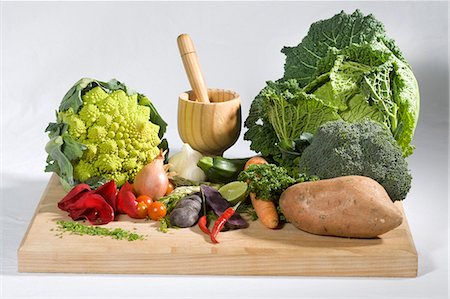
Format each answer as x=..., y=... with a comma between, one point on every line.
x=210, y=128
x=209, y=120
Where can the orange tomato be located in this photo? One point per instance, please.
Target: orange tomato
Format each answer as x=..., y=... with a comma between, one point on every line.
x=157, y=210
x=145, y=199
x=170, y=188
x=142, y=210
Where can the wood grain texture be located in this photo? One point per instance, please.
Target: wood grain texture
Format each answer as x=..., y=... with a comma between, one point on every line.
x=192, y=68
x=210, y=128
x=252, y=251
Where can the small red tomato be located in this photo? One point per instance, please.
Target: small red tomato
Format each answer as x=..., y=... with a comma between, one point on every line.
x=142, y=210
x=145, y=199
x=157, y=210
x=170, y=188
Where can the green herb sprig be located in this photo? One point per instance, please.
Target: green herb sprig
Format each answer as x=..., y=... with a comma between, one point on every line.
x=268, y=181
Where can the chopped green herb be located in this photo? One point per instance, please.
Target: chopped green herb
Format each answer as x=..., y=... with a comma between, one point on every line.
x=80, y=229
x=164, y=224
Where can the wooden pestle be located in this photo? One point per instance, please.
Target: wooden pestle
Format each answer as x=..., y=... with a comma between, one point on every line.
x=192, y=67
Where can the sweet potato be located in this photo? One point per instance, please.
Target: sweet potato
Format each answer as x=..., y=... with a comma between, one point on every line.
x=349, y=206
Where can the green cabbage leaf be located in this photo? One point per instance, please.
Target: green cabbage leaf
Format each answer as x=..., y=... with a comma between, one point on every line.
x=345, y=68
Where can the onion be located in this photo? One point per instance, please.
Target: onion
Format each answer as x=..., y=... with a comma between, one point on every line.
x=184, y=164
x=152, y=179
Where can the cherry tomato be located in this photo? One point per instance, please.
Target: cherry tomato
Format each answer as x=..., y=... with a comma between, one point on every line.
x=145, y=199
x=170, y=188
x=157, y=210
x=142, y=210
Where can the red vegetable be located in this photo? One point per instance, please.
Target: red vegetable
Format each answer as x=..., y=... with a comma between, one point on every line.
x=220, y=222
x=93, y=207
x=108, y=192
x=203, y=225
x=219, y=204
x=203, y=221
x=82, y=202
x=126, y=202
x=73, y=196
x=100, y=205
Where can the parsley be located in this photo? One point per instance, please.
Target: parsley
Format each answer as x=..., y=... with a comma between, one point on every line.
x=80, y=229
x=268, y=181
x=164, y=224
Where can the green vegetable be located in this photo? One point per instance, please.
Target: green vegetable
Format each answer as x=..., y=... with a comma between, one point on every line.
x=221, y=170
x=268, y=181
x=165, y=224
x=171, y=200
x=178, y=181
x=363, y=148
x=369, y=81
x=345, y=68
x=279, y=118
x=337, y=32
x=80, y=229
x=104, y=131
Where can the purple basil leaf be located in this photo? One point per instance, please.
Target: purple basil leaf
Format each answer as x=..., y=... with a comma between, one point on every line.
x=219, y=204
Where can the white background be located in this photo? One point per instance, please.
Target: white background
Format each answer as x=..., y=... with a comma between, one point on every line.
x=46, y=47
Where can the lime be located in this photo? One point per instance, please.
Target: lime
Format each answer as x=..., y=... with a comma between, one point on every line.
x=234, y=192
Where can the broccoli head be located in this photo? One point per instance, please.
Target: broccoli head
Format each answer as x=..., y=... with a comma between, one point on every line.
x=365, y=148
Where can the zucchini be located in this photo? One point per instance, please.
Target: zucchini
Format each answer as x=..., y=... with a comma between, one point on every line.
x=221, y=170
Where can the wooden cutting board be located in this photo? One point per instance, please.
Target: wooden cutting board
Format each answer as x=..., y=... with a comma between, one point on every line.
x=252, y=251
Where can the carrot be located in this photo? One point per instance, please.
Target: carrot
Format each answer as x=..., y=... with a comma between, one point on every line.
x=255, y=160
x=265, y=209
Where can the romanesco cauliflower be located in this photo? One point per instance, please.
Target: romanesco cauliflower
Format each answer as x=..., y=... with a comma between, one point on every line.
x=109, y=132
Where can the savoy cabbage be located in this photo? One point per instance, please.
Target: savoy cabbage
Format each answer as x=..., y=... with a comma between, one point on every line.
x=345, y=68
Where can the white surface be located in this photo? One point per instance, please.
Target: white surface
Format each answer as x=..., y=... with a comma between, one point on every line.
x=46, y=47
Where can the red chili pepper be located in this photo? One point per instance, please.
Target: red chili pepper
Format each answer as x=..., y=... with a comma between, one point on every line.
x=202, y=222
x=220, y=222
x=203, y=225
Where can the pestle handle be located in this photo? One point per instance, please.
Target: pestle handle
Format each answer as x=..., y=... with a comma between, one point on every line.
x=192, y=67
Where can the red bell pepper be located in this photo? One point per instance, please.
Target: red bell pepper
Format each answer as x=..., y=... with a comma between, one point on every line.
x=126, y=201
x=108, y=191
x=73, y=196
x=93, y=207
x=100, y=205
